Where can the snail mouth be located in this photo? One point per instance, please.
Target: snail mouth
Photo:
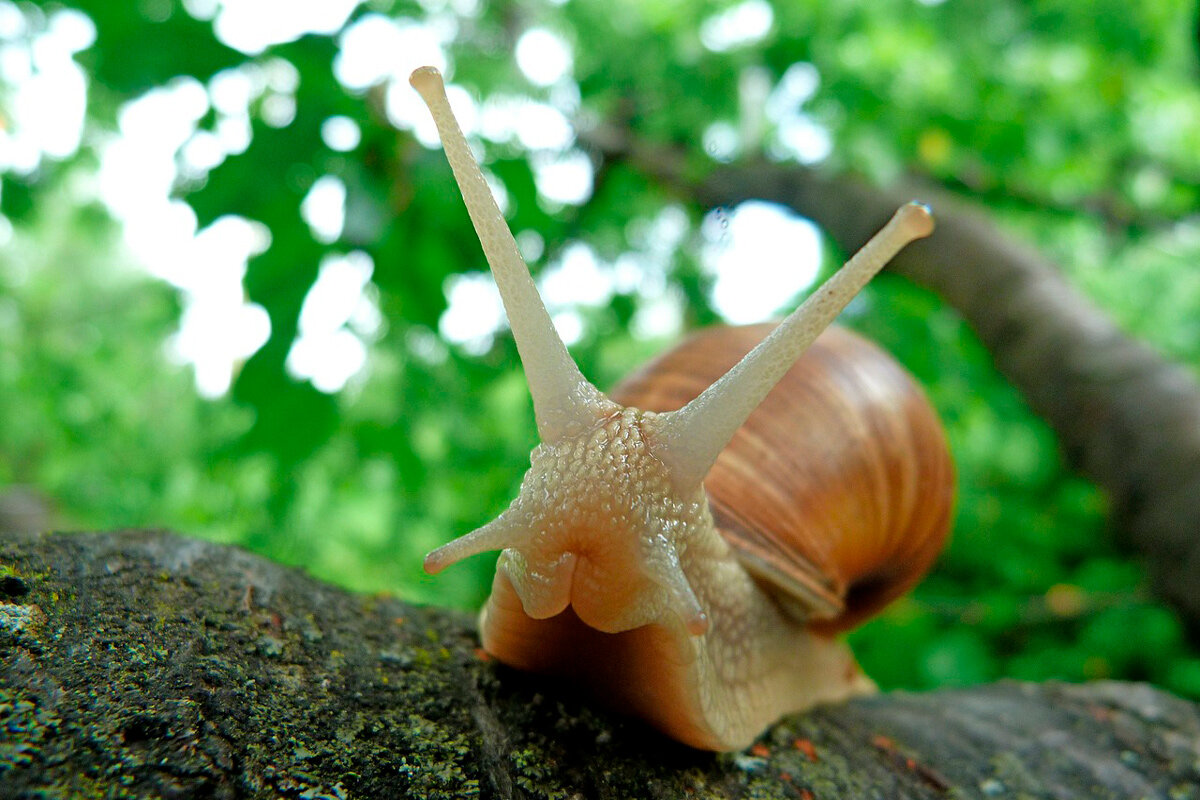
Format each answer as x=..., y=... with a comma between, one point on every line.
x=608, y=591
x=613, y=598
x=599, y=600
x=579, y=583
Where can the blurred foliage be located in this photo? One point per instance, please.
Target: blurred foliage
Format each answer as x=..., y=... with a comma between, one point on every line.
x=1076, y=124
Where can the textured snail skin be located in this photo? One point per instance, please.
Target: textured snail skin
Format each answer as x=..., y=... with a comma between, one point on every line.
x=842, y=473
x=613, y=570
x=616, y=630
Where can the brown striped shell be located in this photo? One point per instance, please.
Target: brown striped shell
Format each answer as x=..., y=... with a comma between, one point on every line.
x=838, y=490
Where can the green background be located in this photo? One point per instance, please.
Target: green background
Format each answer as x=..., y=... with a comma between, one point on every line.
x=1075, y=126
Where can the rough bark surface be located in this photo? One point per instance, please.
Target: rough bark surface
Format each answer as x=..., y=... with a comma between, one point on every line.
x=142, y=664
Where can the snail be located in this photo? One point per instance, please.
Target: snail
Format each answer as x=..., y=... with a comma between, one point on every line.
x=689, y=546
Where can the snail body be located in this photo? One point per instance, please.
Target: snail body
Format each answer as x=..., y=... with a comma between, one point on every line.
x=689, y=546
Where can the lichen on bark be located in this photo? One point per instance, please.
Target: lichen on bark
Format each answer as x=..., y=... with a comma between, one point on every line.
x=142, y=664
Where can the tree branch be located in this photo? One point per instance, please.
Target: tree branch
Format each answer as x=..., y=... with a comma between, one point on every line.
x=140, y=664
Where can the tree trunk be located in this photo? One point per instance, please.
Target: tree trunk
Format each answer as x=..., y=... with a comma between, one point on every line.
x=140, y=664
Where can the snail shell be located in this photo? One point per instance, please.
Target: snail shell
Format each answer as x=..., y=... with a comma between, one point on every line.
x=837, y=491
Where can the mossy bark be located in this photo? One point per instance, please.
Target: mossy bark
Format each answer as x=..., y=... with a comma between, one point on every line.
x=142, y=664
